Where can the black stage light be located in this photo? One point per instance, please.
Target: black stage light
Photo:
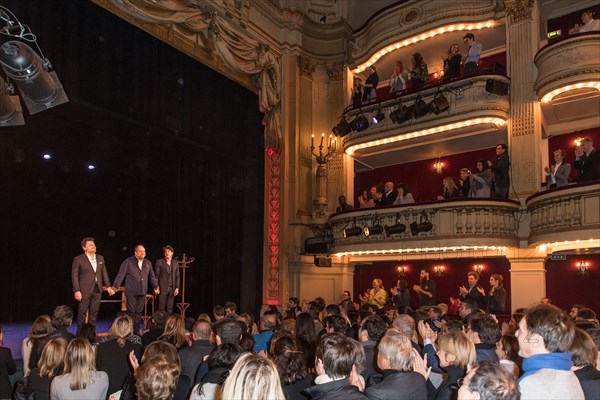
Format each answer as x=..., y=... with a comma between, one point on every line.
x=420, y=108
x=39, y=88
x=323, y=262
x=360, y=123
x=373, y=230
x=352, y=231
x=496, y=87
x=423, y=226
x=342, y=129
x=439, y=103
x=394, y=229
x=377, y=118
x=401, y=114
x=318, y=244
x=10, y=106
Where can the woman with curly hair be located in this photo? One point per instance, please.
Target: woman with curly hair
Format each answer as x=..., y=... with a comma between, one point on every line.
x=174, y=332
x=289, y=359
x=220, y=362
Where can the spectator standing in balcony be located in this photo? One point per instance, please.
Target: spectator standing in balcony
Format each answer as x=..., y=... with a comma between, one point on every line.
x=370, y=89
x=452, y=63
x=450, y=189
x=587, y=160
x=481, y=182
x=418, y=72
x=389, y=195
x=500, y=166
x=558, y=174
x=357, y=93
x=464, y=183
x=471, y=59
x=589, y=23
x=343, y=205
x=399, y=78
x=366, y=200
x=474, y=291
x=404, y=195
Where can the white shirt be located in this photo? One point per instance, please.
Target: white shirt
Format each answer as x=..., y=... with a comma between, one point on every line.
x=591, y=25
x=140, y=263
x=93, y=261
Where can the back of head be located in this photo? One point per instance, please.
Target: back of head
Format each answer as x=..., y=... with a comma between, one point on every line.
x=338, y=355
x=62, y=316
x=459, y=345
x=253, y=377
x=583, y=349
x=486, y=327
x=41, y=327
x=202, y=330
x=289, y=359
x=218, y=311
x=224, y=356
x=493, y=382
x=405, y=324
x=122, y=328
x=157, y=380
x=52, y=358
x=305, y=327
x=160, y=348
x=332, y=309
x=555, y=327
x=228, y=331
x=397, y=349
x=336, y=323
x=470, y=304
x=374, y=326
x=160, y=317
x=80, y=361
x=586, y=313
x=268, y=322
x=175, y=329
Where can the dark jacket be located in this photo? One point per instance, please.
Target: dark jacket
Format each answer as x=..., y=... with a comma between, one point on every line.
x=370, y=348
x=114, y=360
x=397, y=385
x=475, y=295
x=500, y=167
x=38, y=385
x=83, y=276
x=588, y=166
x=38, y=345
x=448, y=389
x=485, y=352
x=497, y=301
x=7, y=367
x=161, y=270
x=589, y=378
x=336, y=390
x=388, y=199
x=136, y=280
x=296, y=390
x=192, y=356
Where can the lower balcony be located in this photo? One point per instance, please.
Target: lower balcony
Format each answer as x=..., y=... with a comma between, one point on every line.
x=460, y=225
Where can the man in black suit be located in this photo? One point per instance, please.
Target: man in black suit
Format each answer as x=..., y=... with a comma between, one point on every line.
x=167, y=273
x=136, y=271
x=88, y=275
x=474, y=291
x=587, y=161
x=192, y=356
x=390, y=195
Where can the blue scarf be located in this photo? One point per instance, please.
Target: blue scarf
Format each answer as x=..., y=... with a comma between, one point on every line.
x=559, y=361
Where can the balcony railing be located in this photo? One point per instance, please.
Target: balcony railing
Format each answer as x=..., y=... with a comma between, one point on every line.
x=448, y=224
x=565, y=214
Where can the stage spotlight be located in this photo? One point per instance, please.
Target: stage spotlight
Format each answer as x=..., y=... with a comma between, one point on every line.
x=394, y=229
x=342, y=129
x=420, y=108
x=377, y=118
x=39, y=88
x=373, y=230
x=401, y=114
x=439, y=103
x=47, y=156
x=91, y=167
x=496, y=87
x=352, y=231
x=10, y=107
x=423, y=226
x=360, y=123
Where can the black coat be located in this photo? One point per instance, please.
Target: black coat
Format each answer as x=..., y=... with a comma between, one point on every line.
x=500, y=166
x=588, y=166
x=448, y=389
x=39, y=344
x=589, y=378
x=83, y=276
x=7, y=367
x=161, y=271
x=114, y=360
x=475, y=295
x=192, y=356
x=397, y=385
x=336, y=390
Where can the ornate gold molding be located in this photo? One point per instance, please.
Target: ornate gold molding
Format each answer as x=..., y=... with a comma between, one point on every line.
x=519, y=10
x=307, y=66
x=335, y=71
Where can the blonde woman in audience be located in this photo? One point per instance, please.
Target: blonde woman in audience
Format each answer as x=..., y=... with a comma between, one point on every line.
x=174, y=332
x=253, y=377
x=377, y=296
x=157, y=380
x=40, y=328
x=450, y=189
x=80, y=379
x=399, y=78
x=50, y=365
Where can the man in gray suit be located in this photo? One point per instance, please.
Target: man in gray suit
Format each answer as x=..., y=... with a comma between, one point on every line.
x=136, y=271
x=167, y=273
x=88, y=274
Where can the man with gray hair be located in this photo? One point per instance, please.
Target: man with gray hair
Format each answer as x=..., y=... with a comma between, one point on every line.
x=489, y=381
x=405, y=324
x=267, y=324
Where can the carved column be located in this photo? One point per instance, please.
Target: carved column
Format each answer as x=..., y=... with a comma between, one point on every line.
x=525, y=124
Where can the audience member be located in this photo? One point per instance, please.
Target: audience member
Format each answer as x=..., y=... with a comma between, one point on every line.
x=471, y=59
x=343, y=205
x=481, y=182
x=80, y=379
x=474, y=290
x=7, y=367
x=230, y=309
x=405, y=324
x=545, y=300
x=450, y=189
x=500, y=166
x=156, y=328
x=484, y=332
x=418, y=72
x=370, y=88
x=587, y=161
x=51, y=364
x=306, y=334
x=291, y=366
x=467, y=308
x=371, y=331
x=404, y=196
x=513, y=324
x=157, y=380
x=389, y=195
x=452, y=62
x=88, y=332
x=346, y=301
x=398, y=380
x=399, y=78
x=545, y=336
x=435, y=322
x=262, y=340
x=575, y=310
x=464, y=182
x=489, y=381
x=584, y=355
x=218, y=312
x=113, y=356
x=220, y=362
x=62, y=316
x=253, y=377
x=357, y=92
x=40, y=328
x=378, y=195
x=401, y=295
x=366, y=200
x=293, y=308
x=496, y=297
x=426, y=289
x=558, y=174
x=174, y=331
x=377, y=296
x=589, y=23
x=507, y=350
x=192, y=356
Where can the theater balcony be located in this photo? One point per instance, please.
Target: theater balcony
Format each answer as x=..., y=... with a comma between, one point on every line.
x=566, y=218
x=568, y=82
x=448, y=226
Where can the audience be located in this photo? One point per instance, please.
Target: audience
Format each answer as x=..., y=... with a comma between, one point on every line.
x=7, y=367
x=399, y=78
x=370, y=88
x=589, y=23
x=253, y=377
x=371, y=331
x=404, y=196
x=464, y=182
x=220, y=362
x=481, y=182
x=291, y=365
x=174, y=331
x=484, y=332
x=418, y=72
x=558, y=174
x=452, y=62
x=51, y=364
x=366, y=200
x=156, y=328
x=507, y=350
x=357, y=92
x=489, y=381
x=62, y=316
x=40, y=328
x=450, y=189
x=584, y=355
x=192, y=356
x=157, y=380
x=471, y=59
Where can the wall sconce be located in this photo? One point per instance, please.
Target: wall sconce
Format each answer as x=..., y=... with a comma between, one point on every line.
x=478, y=268
x=582, y=267
x=438, y=167
x=438, y=270
x=578, y=141
x=402, y=269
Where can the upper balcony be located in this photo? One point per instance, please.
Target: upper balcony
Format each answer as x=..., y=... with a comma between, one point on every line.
x=568, y=82
x=567, y=217
x=449, y=226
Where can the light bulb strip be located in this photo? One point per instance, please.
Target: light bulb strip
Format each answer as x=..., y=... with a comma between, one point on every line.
x=425, y=132
x=551, y=95
x=419, y=250
x=419, y=38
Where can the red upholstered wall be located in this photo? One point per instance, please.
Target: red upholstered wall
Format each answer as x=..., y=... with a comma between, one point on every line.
x=566, y=142
x=565, y=287
x=419, y=175
x=455, y=275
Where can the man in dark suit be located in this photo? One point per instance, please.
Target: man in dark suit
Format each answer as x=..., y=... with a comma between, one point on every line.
x=501, y=166
x=192, y=356
x=167, y=273
x=390, y=195
x=136, y=271
x=474, y=291
x=587, y=161
x=88, y=275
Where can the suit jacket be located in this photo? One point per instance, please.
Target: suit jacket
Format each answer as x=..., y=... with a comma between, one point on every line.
x=83, y=276
x=476, y=295
x=136, y=280
x=561, y=176
x=7, y=367
x=589, y=166
x=161, y=271
x=388, y=200
x=500, y=167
